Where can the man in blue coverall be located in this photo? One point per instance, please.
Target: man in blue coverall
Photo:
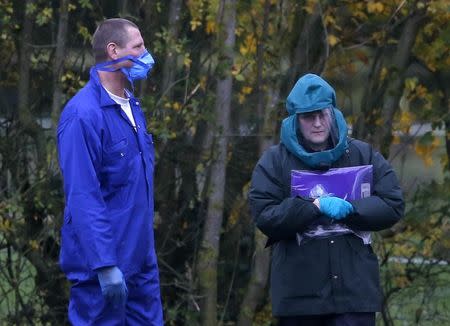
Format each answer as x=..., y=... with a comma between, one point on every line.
x=107, y=161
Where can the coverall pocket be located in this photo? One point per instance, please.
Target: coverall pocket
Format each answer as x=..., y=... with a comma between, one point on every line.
x=116, y=162
x=116, y=150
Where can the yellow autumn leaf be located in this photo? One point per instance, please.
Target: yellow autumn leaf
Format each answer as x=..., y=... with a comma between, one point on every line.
x=421, y=91
x=401, y=281
x=410, y=84
x=34, y=245
x=249, y=46
x=333, y=39
x=210, y=27
x=187, y=61
x=425, y=151
x=406, y=119
x=195, y=24
x=436, y=142
x=329, y=20
x=309, y=6
x=378, y=36
x=5, y=225
x=235, y=69
x=203, y=82
x=243, y=50
x=241, y=98
x=383, y=73
x=375, y=7
x=176, y=106
x=246, y=90
x=360, y=14
x=234, y=217
x=239, y=30
x=379, y=7
x=379, y=121
x=396, y=140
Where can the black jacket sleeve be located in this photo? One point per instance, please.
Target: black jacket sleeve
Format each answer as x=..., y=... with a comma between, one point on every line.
x=386, y=206
x=277, y=215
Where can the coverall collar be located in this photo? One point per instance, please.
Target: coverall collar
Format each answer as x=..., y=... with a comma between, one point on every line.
x=105, y=100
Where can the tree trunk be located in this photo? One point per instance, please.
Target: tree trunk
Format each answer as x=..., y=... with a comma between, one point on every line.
x=310, y=52
x=365, y=122
x=122, y=5
x=24, y=68
x=59, y=59
x=28, y=125
x=209, y=250
x=381, y=97
x=258, y=281
x=166, y=168
x=394, y=88
x=34, y=157
x=260, y=269
x=445, y=103
x=169, y=68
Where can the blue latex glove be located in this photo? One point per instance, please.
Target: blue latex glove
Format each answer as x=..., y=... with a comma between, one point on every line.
x=334, y=207
x=114, y=288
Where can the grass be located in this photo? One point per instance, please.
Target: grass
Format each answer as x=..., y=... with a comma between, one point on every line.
x=424, y=302
x=17, y=287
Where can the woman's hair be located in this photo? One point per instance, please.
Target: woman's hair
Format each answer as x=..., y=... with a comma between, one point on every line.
x=114, y=30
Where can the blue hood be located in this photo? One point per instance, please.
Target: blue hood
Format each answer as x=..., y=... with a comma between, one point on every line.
x=312, y=93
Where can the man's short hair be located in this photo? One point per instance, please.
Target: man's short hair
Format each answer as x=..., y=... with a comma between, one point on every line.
x=110, y=30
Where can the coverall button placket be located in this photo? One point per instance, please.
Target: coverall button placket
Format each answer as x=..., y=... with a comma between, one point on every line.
x=141, y=143
x=144, y=158
x=124, y=116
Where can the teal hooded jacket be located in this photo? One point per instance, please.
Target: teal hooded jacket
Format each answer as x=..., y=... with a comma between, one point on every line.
x=312, y=93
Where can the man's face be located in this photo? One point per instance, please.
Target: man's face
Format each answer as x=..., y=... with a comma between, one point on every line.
x=315, y=128
x=135, y=45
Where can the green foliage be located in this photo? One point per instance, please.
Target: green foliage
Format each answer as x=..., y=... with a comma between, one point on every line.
x=86, y=4
x=415, y=268
x=44, y=16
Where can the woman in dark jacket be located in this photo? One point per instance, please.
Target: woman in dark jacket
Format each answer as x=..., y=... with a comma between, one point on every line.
x=324, y=271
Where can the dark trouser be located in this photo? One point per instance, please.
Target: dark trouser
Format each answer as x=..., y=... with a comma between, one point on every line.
x=347, y=319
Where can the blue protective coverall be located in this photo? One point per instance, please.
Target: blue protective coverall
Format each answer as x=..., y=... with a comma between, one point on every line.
x=107, y=168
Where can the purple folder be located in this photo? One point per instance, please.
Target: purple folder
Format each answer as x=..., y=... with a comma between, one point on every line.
x=348, y=183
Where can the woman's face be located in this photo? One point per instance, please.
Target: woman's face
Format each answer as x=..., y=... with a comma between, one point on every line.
x=315, y=128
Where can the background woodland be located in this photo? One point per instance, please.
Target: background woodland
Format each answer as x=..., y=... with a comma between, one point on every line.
x=214, y=102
